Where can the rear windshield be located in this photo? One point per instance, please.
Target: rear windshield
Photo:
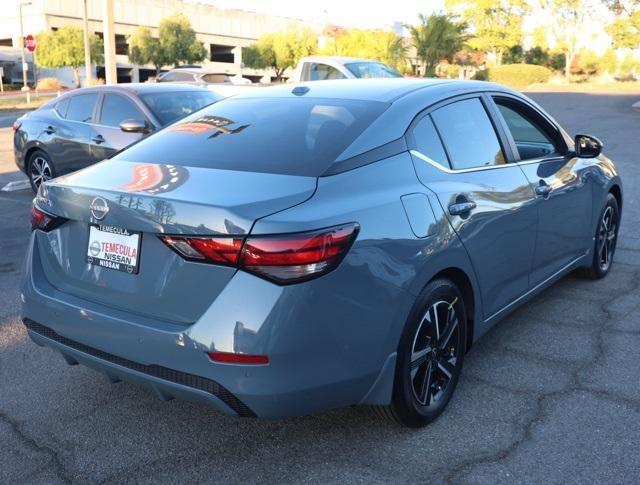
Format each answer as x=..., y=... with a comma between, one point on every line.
x=171, y=106
x=294, y=136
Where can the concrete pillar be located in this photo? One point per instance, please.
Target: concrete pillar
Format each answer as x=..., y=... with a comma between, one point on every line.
x=108, y=29
x=87, y=48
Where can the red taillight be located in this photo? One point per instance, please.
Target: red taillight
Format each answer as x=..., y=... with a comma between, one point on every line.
x=284, y=259
x=43, y=221
x=214, y=250
x=16, y=125
x=230, y=358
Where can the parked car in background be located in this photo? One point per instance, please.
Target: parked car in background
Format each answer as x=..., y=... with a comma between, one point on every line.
x=322, y=68
x=220, y=83
x=87, y=125
x=199, y=75
x=300, y=248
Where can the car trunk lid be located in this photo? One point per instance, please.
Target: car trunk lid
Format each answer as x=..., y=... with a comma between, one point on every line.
x=151, y=200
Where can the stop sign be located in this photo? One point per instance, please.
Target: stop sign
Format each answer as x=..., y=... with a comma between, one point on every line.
x=30, y=43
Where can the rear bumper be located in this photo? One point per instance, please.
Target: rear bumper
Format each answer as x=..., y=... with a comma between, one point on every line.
x=325, y=351
x=166, y=383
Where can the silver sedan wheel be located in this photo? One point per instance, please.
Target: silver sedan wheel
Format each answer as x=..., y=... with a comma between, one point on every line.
x=607, y=238
x=40, y=171
x=434, y=353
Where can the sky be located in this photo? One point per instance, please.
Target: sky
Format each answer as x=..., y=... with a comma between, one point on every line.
x=349, y=13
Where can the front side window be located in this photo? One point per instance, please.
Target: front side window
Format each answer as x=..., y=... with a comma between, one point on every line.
x=323, y=72
x=292, y=136
x=530, y=138
x=81, y=107
x=468, y=135
x=428, y=142
x=116, y=109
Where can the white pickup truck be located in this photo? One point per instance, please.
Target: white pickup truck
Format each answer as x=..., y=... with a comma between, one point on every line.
x=320, y=68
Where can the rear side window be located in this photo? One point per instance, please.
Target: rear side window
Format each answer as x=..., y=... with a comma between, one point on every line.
x=183, y=76
x=116, y=109
x=62, y=106
x=322, y=72
x=81, y=107
x=468, y=135
x=371, y=70
x=216, y=78
x=294, y=136
x=428, y=142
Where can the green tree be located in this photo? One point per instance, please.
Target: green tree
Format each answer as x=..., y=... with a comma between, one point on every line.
x=514, y=55
x=625, y=29
x=280, y=50
x=495, y=25
x=538, y=56
x=437, y=38
x=566, y=27
x=65, y=48
x=609, y=62
x=379, y=45
x=178, y=41
x=146, y=49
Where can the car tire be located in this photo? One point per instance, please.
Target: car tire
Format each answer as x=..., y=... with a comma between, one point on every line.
x=39, y=169
x=605, y=240
x=430, y=356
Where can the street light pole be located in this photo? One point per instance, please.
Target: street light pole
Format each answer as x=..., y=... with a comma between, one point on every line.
x=25, y=88
x=87, y=46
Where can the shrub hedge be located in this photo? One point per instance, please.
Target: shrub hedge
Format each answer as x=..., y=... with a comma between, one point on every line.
x=48, y=83
x=517, y=76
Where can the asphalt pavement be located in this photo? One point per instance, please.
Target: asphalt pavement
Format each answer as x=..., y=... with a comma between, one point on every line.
x=551, y=394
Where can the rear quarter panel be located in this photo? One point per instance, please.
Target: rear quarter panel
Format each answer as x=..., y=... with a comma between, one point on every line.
x=387, y=256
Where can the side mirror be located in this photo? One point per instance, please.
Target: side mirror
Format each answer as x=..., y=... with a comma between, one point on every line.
x=587, y=146
x=134, y=126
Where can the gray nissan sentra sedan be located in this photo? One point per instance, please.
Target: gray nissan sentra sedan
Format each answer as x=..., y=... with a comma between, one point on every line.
x=87, y=125
x=306, y=247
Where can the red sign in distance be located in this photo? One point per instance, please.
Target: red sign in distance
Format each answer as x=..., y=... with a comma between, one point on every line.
x=30, y=43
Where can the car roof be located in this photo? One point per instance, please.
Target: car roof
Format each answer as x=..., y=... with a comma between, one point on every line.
x=337, y=59
x=386, y=90
x=140, y=88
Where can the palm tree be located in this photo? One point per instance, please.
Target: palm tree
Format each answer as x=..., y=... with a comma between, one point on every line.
x=436, y=38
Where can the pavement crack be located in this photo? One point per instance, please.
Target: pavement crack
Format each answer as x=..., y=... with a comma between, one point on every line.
x=574, y=385
x=58, y=466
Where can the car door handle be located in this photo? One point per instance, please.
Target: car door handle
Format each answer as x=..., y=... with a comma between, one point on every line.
x=461, y=208
x=543, y=190
x=49, y=130
x=98, y=139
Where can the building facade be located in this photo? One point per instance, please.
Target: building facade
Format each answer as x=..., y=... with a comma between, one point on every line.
x=224, y=32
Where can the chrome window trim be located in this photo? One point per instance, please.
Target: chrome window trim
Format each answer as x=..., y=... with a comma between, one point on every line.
x=477, y=169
